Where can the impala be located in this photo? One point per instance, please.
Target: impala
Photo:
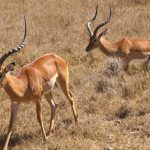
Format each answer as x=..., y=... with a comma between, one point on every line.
x=128, y=49
x=31, y=82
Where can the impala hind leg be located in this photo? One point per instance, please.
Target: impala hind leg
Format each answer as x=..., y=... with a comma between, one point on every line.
x=14, y=111
x=39, y=117
x=53, y=106
x=64, y=86
x=146, y=65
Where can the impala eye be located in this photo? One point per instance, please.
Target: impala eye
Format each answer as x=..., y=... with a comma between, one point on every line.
x=95, y=40
x=0, y=75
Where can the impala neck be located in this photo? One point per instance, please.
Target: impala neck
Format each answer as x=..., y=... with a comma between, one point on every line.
x=14, y=86
x=109, y=48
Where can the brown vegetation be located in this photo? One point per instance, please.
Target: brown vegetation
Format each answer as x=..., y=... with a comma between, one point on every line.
x=113, y=107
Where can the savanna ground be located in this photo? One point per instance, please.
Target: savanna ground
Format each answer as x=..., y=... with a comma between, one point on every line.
x=113, y=107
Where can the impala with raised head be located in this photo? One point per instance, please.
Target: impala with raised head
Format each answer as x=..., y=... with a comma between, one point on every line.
x=31, y=82
x=128, y=49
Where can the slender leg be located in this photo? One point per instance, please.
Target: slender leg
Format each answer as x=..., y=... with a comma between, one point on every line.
x=126, y=62
x=14, y=111
x=53, y=106
x=146, y=65
x=39, y=117
x=64, y=86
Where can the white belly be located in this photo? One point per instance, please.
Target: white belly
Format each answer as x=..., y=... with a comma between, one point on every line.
x=50, y=84
x=146, y=53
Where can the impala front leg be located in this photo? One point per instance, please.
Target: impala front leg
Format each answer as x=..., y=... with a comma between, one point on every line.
x=53, y=106
x=14, y=111
x=39, y=117
x=126, y=61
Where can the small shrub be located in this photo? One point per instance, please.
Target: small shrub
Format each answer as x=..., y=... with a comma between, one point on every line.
x=102, y=86
x=123, y=112
x=113, y=66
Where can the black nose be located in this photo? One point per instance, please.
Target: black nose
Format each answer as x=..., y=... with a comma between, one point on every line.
x=87, y=49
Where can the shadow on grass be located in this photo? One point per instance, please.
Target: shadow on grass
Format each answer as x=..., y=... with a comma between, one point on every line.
x=17, y=139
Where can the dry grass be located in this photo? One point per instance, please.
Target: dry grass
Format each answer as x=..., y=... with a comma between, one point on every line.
x=113, y=107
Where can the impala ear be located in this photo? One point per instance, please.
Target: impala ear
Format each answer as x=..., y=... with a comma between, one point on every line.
x=10, y=67
x=102, y=34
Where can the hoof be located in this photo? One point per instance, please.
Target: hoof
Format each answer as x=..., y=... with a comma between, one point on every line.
x=46, y=138
x=77, y=119
x=49, y=134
